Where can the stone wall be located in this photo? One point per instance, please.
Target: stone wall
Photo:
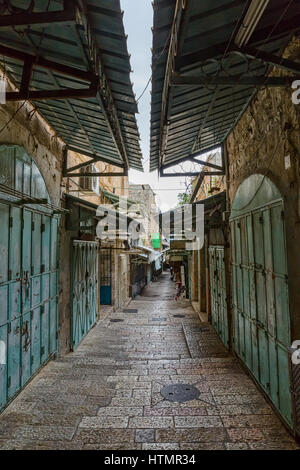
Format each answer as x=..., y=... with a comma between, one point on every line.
x=268, y=132
x=21, y=124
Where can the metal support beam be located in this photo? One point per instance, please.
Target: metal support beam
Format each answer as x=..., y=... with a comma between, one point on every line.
x=66, y=16
x=189, y=173
x=167, y=97
x=26, y=76
x=100, y=175
x=204, y=80
x=259, y=36
x=69, y=172
x=48, y=64
x=196, y=155
x=42, y=95
x=272, y=59
x=93, y=156
x=194, y=160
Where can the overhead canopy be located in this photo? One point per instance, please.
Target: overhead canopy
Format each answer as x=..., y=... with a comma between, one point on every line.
x=84, y=216
x=70, y=57
x=206, y=68
x=214, y=206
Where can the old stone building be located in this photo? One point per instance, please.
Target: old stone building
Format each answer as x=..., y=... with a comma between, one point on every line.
x=60, y=148
x=145, y=195
x=244, y=279
x=99, y=347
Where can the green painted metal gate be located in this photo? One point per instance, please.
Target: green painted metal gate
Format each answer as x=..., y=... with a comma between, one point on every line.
x=84, y=289
x=28, y=274
x=219, y=311
x=260, y=288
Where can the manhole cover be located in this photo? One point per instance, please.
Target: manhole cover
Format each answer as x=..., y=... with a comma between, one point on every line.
x=180, y=392
x=130, y=310
x=116, y=320
x=179, y=316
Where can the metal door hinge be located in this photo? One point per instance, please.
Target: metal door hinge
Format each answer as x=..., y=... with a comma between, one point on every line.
x=31, y=360
x=42, y=350
x=32, y=226
x=43, y=228
x=42, y=309
x=11, y=222
x=8, y=382
x=9, y=328
x=42, y=268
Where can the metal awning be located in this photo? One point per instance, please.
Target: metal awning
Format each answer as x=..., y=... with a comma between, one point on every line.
x=84, y=215
x=209, y=58
x=214, y=207
x=70, y=58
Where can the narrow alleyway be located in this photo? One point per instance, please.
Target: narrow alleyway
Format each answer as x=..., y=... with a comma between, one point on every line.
x=107, y=395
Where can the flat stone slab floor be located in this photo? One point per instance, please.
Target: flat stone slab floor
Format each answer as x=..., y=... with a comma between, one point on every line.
x=107, y=394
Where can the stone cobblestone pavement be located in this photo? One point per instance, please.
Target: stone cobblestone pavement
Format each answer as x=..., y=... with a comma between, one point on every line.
x=107, y=395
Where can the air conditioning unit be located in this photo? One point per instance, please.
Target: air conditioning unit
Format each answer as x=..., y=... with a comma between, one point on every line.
x=90, y=183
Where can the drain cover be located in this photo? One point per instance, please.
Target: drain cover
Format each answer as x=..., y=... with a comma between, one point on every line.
x=180, y=392
x=159, y=319
x=116, y=320
x=130, y=310
x=179, y=316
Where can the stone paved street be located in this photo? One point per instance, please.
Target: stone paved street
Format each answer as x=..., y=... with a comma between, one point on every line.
x=107, y=395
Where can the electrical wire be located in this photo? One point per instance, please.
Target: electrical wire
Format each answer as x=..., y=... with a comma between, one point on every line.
x=157, y=58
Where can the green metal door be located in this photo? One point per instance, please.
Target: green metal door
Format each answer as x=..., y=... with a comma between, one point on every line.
x=260, y=288
x=84, y=289
x=218, y=294
x=28, y=275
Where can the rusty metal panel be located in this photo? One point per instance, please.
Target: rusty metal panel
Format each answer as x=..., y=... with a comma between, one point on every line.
x=3, y=364
x=219, y=309
x=26, y=348
x=7, y=166
x=262, y=320
x=84, y=289
x=295, y=389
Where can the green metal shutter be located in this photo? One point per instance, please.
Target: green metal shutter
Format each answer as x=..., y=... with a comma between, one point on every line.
x=219, y=309
x=260, y=289
x=28, y=279
x=84, y=289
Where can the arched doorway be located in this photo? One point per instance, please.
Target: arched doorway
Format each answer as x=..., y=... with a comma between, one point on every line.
x=28, y=272
x=261, y=315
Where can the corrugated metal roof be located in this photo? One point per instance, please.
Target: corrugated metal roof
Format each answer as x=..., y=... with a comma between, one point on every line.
x=190, y=119
x=104, y=126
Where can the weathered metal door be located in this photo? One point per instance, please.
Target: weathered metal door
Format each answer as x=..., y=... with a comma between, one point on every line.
x=219, y=309
x=123, y=279
x=105, y=276
x=84, y=289
x=28, y=277
x=260, y=288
